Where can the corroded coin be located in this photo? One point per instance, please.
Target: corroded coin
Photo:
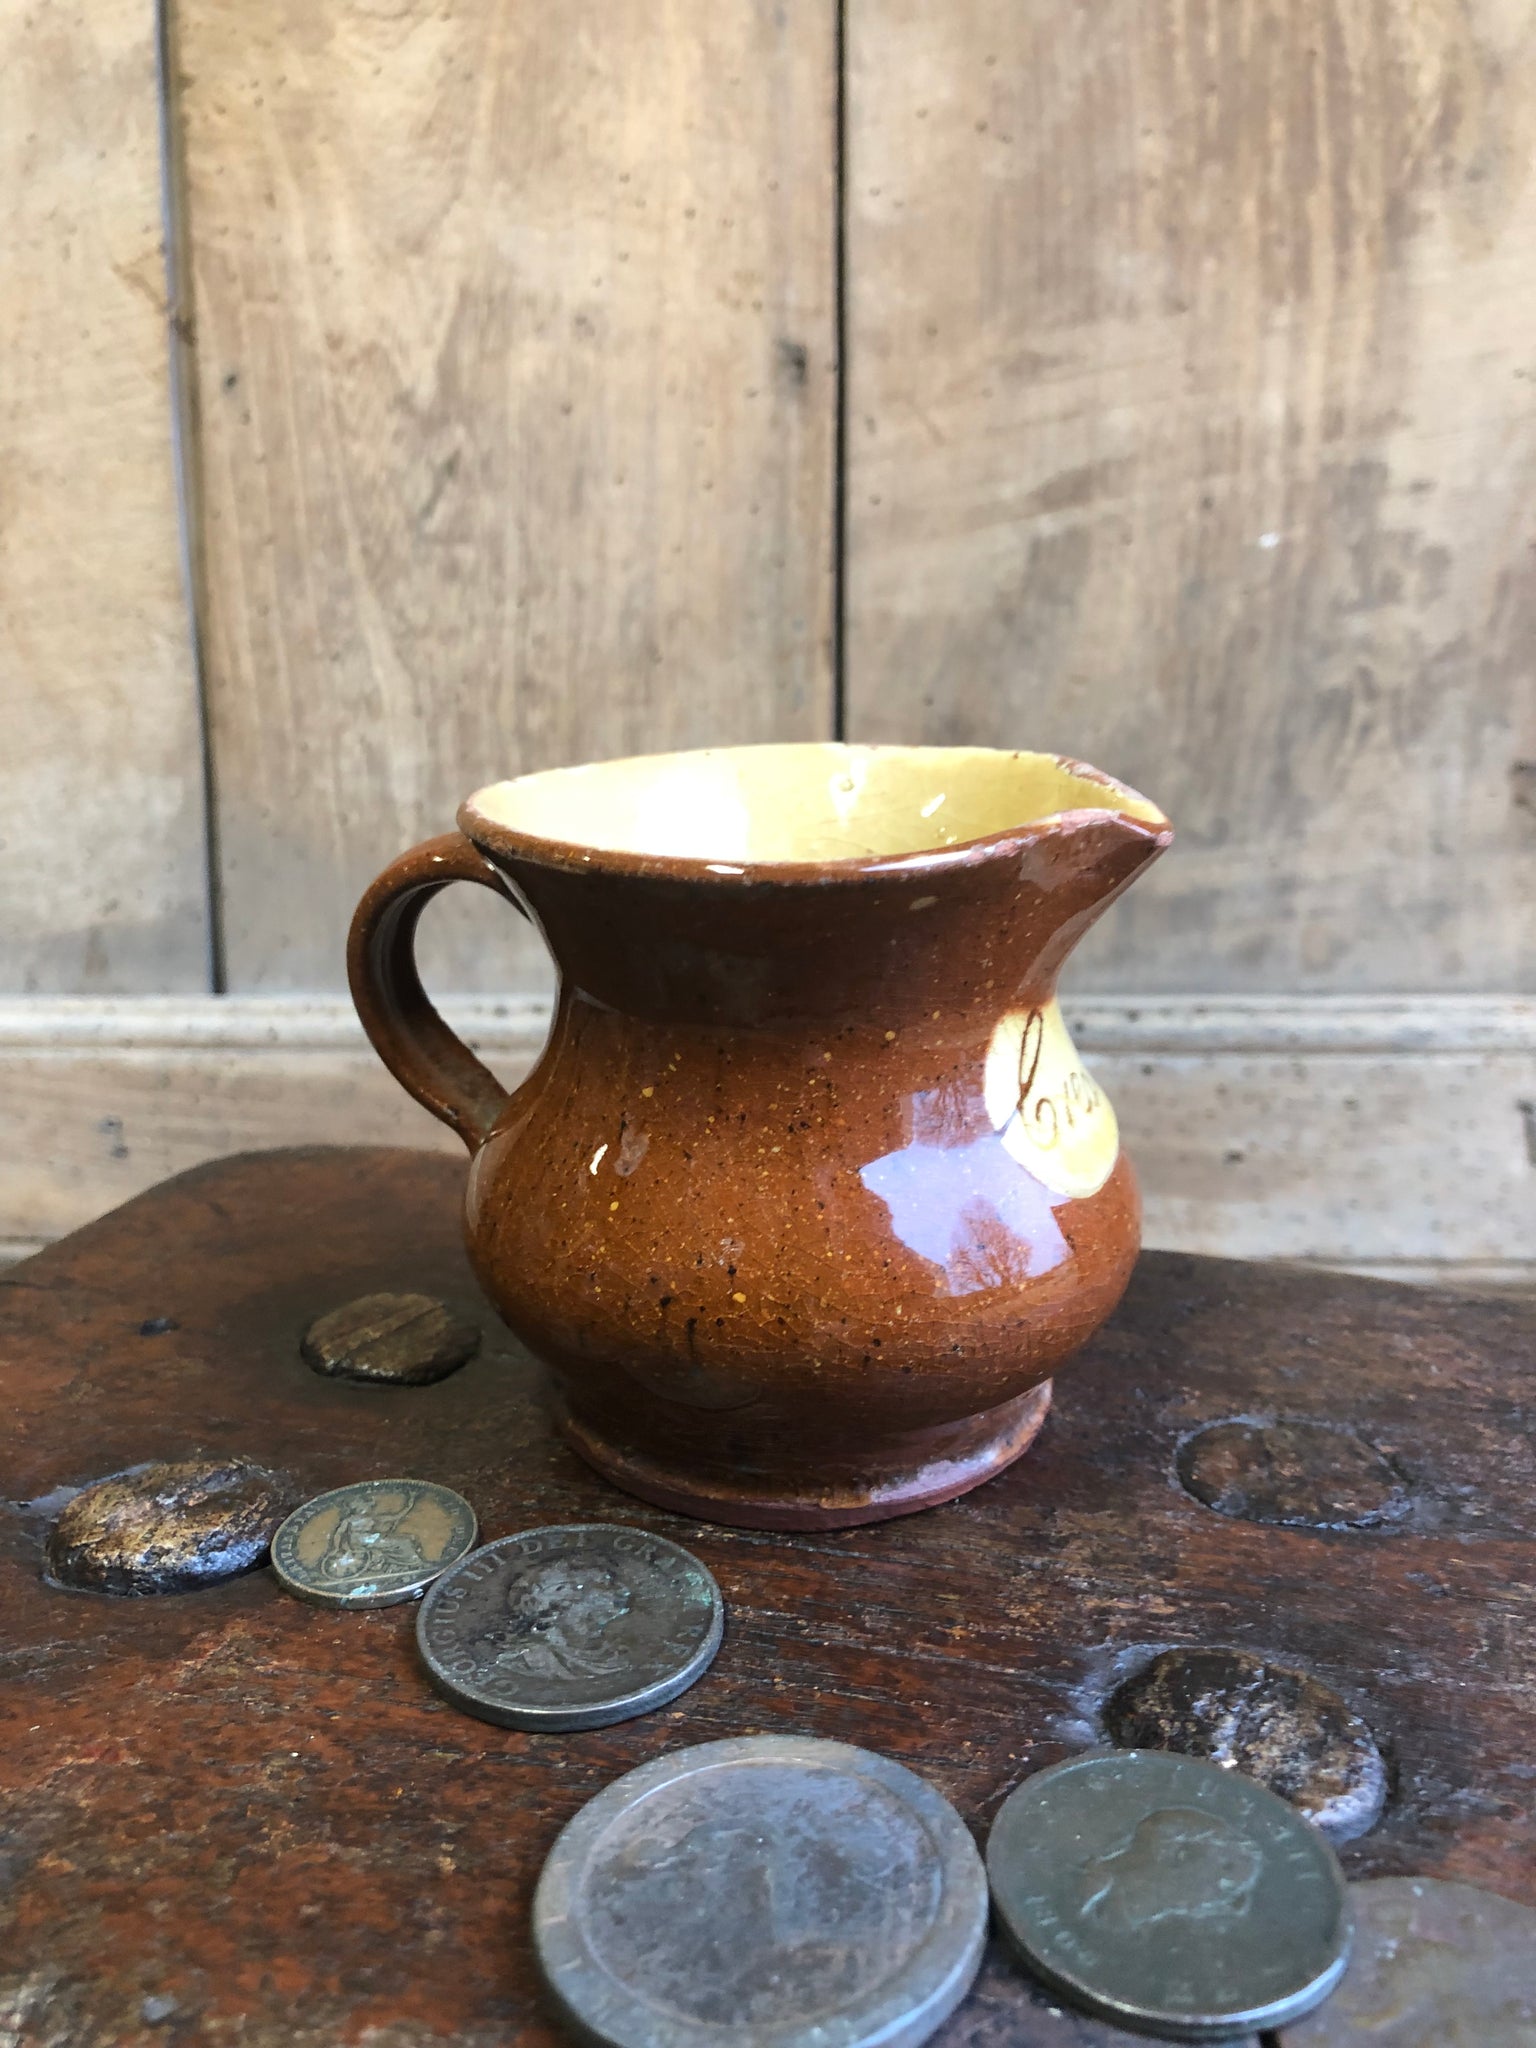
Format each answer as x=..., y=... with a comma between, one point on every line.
x=168, y=1528
x=1269, y=1721
x=372, y=1544
x=570, y=1627
x=401, y=1339
x=1293, y=1472
x=1169, y=1895
x=1433, y=1966
x=765, y=1892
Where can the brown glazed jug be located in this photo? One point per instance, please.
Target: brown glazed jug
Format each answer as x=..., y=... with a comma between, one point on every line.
x=808, y=1194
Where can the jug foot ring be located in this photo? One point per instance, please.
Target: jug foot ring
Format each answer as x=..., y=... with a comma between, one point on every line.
x=750, y=1502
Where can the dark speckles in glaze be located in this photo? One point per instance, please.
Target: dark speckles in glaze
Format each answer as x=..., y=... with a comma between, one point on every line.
x=380, y=1880
x=808, y=1196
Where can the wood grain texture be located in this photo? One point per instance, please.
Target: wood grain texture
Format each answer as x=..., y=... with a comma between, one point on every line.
x=102, y=875
x=254, y=1818
x=1192, y=429
x=517, y=397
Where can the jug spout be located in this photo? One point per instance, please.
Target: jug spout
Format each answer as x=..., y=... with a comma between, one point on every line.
x=1083, y=860
x=768, y=886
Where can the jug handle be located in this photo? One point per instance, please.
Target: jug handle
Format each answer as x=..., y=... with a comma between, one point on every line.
x=429, y=1061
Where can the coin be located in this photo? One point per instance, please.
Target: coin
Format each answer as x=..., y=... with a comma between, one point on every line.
x=1432, y=1963
x=764, y=1890
x=166, y=1528
x=1271, y=1722
x=572, y=1627
x=1008, y=2008
x=372, y=1544
x=406, y=1340
x=1294, y=1473
x=1168, y=1894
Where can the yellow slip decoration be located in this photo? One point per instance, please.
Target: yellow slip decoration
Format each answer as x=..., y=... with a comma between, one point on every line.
x=1054, y=1118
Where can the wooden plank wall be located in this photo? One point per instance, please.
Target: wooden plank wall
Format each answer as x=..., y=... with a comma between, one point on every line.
x=102, y=868
x=1192, y=429
x=1187, y=399
x=517, y=386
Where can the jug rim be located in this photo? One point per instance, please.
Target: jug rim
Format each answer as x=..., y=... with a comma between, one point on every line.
x=803, y=829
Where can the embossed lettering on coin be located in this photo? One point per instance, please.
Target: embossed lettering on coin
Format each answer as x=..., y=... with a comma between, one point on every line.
x=372, y=1544
x=570, y=1627
x=766, y=1888
x=1168, y=1894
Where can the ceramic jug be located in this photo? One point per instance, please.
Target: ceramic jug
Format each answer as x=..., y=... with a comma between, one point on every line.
x=809, y=1194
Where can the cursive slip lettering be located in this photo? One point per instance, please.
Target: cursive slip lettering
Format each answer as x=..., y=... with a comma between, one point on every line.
x=1053, y=1111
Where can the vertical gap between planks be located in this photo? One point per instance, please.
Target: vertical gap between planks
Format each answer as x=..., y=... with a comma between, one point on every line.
x=840, y=385
x=180, y=350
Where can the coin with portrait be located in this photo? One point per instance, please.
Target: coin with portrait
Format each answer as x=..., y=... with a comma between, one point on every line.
x=372, y=1544
x=762, y=1890
x=1169, y=1895
x=570, y=1627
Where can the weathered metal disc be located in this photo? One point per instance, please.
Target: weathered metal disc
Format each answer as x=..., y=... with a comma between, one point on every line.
x=1293, y=1473
x=167, y=1528
x=765, y=1892
x=372, y=1544
x=1434, y=1966
x=1169, y=1895
x=571, y=1627
x=1271, y=1722
x=406, y=1340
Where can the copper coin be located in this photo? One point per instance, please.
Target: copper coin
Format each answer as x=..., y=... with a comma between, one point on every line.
x=1270, y=1721
x=1434, y=1966
x=373, y=1544
x=570, y=1627
x=394, y=1339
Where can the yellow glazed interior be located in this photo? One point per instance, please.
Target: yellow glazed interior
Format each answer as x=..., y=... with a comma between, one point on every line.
x=814, y=802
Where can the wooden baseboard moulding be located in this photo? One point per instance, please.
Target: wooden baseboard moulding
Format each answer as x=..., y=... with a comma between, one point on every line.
x=1390, y=1135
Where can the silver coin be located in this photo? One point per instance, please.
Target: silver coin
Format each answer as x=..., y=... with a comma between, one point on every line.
x=1433, y=1966
x=572, y=1627
x=766, y=1892
x=372, y=1544
x=1169, y=1895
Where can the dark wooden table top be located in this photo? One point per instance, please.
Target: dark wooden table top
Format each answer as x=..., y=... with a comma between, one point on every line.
x=230, y=1817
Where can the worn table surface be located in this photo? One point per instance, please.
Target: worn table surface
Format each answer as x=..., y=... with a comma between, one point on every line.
x=233, y=1818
